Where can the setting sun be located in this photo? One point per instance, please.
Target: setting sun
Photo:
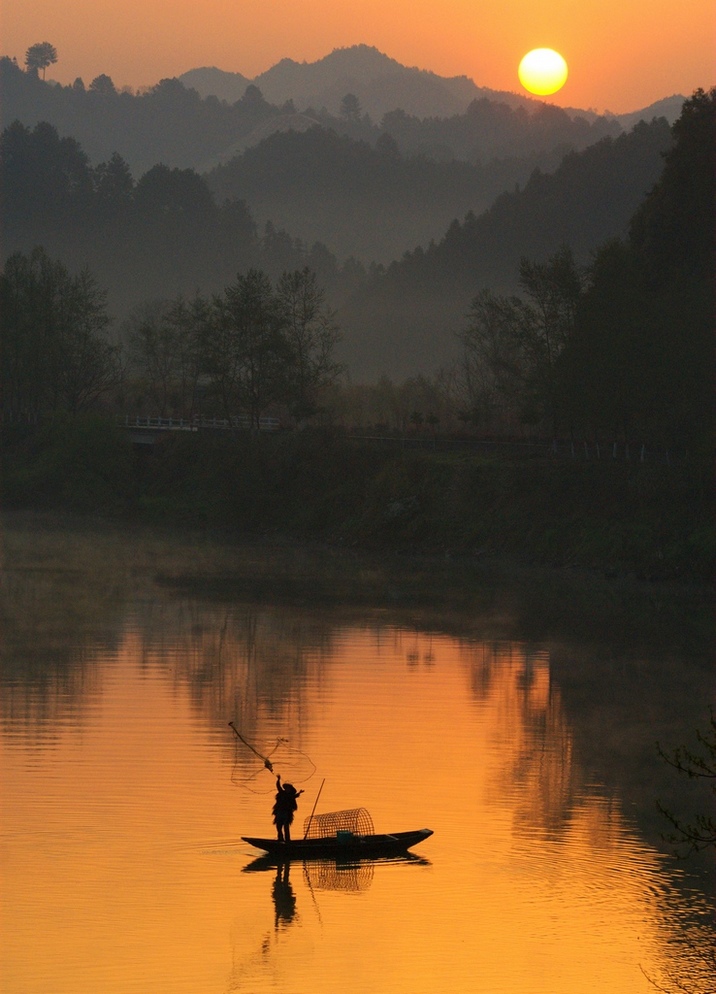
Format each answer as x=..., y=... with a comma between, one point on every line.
x=543, y=71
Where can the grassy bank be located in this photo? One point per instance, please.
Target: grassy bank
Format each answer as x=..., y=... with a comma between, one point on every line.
x=652, y=521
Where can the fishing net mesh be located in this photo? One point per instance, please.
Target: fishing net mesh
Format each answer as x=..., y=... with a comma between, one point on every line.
x=355, y=820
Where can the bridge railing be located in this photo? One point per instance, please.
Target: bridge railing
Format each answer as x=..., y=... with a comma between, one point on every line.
x=238, y=422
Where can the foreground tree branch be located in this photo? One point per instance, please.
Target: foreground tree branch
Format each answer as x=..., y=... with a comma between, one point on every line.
x=699, y=834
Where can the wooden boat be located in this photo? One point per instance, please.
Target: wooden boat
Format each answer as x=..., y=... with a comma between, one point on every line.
x=341, y=835
x=343, y=845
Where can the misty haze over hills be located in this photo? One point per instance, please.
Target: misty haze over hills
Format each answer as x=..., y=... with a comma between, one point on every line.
x=176, y=126
x=457, y=198
x=322, y=178
x=382, y=84
x=368, y=202
x=405, y=320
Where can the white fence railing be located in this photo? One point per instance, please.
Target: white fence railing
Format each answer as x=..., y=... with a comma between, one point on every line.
x=239, y=422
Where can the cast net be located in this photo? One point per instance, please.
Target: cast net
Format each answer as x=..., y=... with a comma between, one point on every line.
x=357, y=821
x=254, y=760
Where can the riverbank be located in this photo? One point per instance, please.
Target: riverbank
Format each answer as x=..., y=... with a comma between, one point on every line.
x=652, y=522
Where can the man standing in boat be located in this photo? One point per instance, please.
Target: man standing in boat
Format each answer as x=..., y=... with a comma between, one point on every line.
x=284, y=808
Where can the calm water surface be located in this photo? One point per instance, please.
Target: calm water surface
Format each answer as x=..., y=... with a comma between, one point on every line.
x=125, y=793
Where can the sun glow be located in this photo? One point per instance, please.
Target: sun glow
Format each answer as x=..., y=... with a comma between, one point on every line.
x=543, y=71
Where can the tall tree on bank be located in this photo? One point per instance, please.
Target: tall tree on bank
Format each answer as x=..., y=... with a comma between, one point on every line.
x=40, y=56
x=553, y=290
x=165, y=345
x=253, y=353
x=492, y=367
x=311, y=335
x=641, y=359
x=53, y=354
x=511, y=345
x=253, y=348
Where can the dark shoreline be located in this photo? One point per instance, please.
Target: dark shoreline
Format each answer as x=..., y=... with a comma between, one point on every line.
x=627, y=521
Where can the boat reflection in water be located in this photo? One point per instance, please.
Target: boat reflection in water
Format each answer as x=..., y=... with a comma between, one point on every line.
x=351, y=876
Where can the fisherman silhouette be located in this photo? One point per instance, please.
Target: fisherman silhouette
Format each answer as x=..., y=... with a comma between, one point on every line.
x=286, y=803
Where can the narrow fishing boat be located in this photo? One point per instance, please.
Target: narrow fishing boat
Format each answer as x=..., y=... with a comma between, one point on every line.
x=341, y=835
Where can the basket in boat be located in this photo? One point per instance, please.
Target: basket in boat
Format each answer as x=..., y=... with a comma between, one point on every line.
x=339, y=824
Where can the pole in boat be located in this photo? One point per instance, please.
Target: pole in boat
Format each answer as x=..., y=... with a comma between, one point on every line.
x=308, y=823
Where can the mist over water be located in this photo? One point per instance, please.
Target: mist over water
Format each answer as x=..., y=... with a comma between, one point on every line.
x=529, y=749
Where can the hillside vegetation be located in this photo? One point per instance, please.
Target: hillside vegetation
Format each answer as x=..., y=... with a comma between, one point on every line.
x=165, y=233
x=172, y=124
x=652, y=521
x=405, y=320
x=620, y=352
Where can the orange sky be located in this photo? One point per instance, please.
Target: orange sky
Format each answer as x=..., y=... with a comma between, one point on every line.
x=622, y=54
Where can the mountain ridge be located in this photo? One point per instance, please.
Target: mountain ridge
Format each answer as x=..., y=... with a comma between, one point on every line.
x=379, y=81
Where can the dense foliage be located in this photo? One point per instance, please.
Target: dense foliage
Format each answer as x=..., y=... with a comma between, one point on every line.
x=53, y=355
x=405, y=320
x=641, y=359
x=623, y=348
x=171, y=123
x=150, y=239
x=254, y=347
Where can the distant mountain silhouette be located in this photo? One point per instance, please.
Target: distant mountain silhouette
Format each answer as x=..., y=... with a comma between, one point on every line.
x=669, y=107
x=174, y=124
x=382, y=84
x=210, y=81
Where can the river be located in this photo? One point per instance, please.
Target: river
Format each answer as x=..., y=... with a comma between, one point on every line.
x=515, y=715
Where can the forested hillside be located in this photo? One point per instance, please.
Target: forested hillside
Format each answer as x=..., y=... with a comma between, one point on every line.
x=405, y=320
x=143, y=240
x=168, y=124
x=617, y=354
x=164, y=234
x=173, y=124
x=363, y=201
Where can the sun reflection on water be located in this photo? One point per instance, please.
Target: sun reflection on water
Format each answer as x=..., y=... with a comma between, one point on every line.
x=121, y=778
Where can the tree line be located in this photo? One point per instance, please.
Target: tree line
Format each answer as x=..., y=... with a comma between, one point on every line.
x=256, y=346
x=172, y=123
x=155, y=236
x=622, y=347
